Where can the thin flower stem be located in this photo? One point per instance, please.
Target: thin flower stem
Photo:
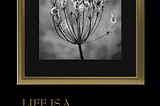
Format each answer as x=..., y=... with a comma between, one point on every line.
x=70, y=20
x=72, y=26
x=65, y=35
x=90, y=24
x=96, y=38
x=79, y=23
x=78, y=31
x=86, y=25
x=95, y=27
x=68, y=23
x=93, y=30
x=82, y=24
x=80, y=51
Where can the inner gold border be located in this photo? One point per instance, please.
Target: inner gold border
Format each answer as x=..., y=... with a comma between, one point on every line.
x=140, y=57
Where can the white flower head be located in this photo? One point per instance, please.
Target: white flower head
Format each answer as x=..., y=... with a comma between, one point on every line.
x=86, y=4
x=113, y=19
x=76, y=4
x=64, y=25
x=54, y=11
x=81, y=7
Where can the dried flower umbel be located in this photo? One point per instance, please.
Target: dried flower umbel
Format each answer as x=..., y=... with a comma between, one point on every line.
x=78, y=24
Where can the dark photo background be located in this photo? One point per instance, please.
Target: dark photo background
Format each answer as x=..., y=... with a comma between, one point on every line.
x=109, y=47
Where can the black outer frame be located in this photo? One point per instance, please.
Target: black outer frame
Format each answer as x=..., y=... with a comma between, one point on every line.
x=124, y=67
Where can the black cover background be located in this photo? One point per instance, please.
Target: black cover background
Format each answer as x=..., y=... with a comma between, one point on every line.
x=124, y=67
x=102, y=95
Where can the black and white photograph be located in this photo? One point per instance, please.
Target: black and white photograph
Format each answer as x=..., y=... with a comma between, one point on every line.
x=80, y=30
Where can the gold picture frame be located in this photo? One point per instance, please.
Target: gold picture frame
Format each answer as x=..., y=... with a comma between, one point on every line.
x=139, y=79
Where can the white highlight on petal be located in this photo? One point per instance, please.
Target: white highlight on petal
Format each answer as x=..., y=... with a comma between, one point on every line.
x=86, y=4
x=113, y=19
x=53, y=10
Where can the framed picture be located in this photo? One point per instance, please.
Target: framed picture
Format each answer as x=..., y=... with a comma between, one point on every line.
x=80, y=42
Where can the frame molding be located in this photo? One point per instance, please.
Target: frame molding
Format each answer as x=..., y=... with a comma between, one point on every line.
x=140, y=57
